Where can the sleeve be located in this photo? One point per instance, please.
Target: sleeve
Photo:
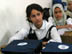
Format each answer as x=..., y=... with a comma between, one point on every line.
x=20, y=35
x=51, y=20
x=69, y=21
x=55, y=36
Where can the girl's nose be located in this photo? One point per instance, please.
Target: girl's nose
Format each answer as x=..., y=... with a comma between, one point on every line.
x=37, y=17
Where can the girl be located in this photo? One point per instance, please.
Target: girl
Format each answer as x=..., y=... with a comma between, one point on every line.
x=38, y=28
x=60, y=19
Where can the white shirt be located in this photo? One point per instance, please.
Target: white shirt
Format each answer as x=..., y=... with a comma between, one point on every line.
x=61, y=31
x=39, y=32
x=68, y=21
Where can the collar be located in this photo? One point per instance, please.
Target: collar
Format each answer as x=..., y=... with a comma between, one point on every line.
x=43, y=25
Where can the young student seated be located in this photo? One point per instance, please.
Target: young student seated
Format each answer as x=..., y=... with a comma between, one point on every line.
x=60, y=19
x=38, y=28
x=69, y=8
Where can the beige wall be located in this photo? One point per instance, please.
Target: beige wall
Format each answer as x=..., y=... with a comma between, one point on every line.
x=13, y=17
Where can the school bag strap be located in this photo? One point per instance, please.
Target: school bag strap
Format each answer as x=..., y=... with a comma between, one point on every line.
x=48, y=34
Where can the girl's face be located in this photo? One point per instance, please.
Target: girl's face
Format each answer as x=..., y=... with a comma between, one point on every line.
x=70, y=6
x=36, y=17
x=58, y=13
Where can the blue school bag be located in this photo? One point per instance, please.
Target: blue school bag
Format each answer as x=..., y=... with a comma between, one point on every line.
x=57, y=1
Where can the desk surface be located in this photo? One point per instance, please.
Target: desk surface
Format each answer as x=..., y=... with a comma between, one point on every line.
x=53, y=47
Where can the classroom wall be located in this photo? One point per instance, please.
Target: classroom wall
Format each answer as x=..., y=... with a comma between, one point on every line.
x=13, y=16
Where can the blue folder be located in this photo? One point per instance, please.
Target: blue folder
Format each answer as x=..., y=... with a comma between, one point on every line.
x=32, y=47
x=57, y=1
x=52, y=47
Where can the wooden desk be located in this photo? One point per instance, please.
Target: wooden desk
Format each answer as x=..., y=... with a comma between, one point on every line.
x=2, y=47
x=0, y=52
x=67, y=37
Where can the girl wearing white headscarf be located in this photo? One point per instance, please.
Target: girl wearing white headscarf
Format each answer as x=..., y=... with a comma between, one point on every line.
x=60, y=20
x=69, y=8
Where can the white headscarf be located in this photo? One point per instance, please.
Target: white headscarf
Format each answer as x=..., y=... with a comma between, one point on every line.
x=68, y=1
x=62, y=21
x=68, y=12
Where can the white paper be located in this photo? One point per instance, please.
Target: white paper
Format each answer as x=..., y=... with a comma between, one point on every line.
x=63, y=47
x=22, y=43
